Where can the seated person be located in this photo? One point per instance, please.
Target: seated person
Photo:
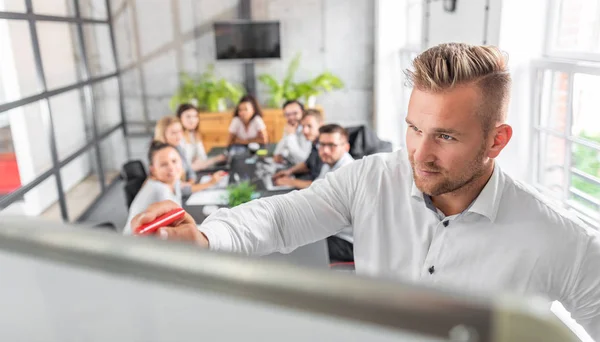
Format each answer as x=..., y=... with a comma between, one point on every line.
x=333, y=150
x=164, y=181
x=247, y=124
x=311, y=121
x=192, y=145
x=293, y=146
x=170, y=131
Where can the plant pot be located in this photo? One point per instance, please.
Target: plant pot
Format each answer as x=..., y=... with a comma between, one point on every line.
x=311, y=102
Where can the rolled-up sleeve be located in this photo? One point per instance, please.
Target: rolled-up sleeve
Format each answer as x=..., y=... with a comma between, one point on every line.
x=283, y=223
x=583, y=298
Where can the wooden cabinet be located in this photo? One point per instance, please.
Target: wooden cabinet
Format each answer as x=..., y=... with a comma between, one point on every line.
x=214, y=127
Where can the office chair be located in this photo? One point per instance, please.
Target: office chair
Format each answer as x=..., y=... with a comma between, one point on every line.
x=363, y=142
x=134, y=175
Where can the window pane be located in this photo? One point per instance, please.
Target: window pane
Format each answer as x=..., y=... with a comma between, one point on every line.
x=60, y=57
x=554, y=106
x=25, y=140
x=72, y=126
x=94, y=9
x=577, y=26
x=586, y=162
x=113, y=154
x=99, y=49
x=106, y=98
x=81, y=184
x=126, y=48
x=18, y=76
x=586, y=119
x=36, y=201
x=551, y=172
x=12, y=6
x=61, y=8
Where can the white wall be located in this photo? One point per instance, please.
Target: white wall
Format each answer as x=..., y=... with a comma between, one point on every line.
x=334, y=35
x=391, y=36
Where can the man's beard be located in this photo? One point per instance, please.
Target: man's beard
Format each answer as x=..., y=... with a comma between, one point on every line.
x=471, y=172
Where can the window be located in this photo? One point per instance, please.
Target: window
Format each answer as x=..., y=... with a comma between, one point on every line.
x=60, y=118
x=567, y=125
x=574, y=30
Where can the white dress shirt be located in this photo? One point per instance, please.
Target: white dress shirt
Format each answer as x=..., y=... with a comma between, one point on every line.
x=193, y=149
x=294, y=147
x=240, y=130
x=346, y=159
x=508, y=239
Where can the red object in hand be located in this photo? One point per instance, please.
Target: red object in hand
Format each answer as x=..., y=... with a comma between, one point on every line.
x=161, y=221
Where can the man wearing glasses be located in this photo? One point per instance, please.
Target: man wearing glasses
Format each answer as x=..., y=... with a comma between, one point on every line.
x=294, y=146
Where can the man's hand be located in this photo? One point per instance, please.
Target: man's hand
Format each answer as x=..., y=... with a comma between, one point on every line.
x=182, y=230
x=278, y=158
x=282, y=173
x=285, y=181
x=217, y=176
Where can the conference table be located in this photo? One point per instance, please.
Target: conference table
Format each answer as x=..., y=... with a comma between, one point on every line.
x=250, y=167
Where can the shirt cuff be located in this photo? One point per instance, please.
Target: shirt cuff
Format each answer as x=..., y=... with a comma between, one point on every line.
x=217, y=234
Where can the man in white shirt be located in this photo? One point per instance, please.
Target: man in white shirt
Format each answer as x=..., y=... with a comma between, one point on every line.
x=293, y=146
x=312, y=120
x=333, y=149
x=443, y=212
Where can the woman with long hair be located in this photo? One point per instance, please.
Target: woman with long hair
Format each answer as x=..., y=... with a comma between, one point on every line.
x=192, y=139
x=247, y=124
x=170, y=131
x=164, y=180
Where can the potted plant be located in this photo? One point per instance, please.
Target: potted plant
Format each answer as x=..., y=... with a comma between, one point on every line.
x=207, y=92
x=307, y=90
x=240, y=193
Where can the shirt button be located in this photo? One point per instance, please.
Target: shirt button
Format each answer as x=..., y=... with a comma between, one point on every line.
x=446, y=223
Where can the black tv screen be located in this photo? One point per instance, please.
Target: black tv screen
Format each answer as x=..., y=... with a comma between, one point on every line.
x=247, y=40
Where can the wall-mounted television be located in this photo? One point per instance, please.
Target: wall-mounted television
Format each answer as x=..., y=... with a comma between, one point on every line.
x=247, y=39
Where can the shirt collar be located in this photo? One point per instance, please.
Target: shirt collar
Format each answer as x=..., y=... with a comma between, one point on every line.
x=342, y=161
x=486, y=203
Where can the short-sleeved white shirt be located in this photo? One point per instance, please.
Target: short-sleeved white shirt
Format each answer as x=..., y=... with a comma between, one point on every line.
x=238, y=128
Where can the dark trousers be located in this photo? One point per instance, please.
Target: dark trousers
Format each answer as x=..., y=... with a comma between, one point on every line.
x=340, y=250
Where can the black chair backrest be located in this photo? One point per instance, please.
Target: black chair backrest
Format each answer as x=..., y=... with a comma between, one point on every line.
x=363, y=142
x=134, y=174
x=133, y=169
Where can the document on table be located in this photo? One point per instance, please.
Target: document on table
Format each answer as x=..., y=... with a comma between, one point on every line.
x=209, y=197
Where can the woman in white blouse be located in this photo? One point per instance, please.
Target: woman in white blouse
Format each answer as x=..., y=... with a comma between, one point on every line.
x=247, y=125
x=192, y=139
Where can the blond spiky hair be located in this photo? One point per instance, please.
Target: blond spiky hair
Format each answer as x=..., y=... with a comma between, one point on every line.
x=446, y=66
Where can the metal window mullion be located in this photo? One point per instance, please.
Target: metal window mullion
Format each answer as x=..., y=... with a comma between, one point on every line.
x=537, y=79
x=568, y=143
x=113, y=45
x=42, y=17
x=89, y=96
x=49, y=93
x=48, y=113
x=586, y=176
x=139, y=58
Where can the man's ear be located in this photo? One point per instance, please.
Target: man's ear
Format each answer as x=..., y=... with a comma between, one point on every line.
x=501, y=137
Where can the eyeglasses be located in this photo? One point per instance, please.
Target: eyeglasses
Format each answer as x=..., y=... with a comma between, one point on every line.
x=329, y=145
